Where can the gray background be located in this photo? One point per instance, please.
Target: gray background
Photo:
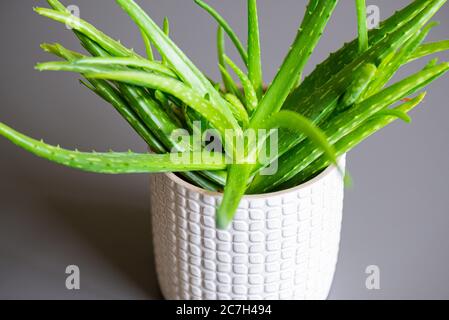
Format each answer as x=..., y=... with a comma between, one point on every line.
x=396, y=215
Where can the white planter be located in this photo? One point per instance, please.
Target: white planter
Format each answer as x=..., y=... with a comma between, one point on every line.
x=281, y=245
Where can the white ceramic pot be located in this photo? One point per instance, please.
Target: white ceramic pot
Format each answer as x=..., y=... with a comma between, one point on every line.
x=281, y=245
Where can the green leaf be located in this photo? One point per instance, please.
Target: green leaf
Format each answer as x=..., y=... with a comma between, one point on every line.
x=130, y=62
x=432, y=63
x=307, y=38
x=148, y=46
x=209, y=111
x=362, y=79
x=295, y=122
x=349, y=52
x=227, y=28
x=428, y=49
x=394, y=113
x=239, y=174
x=114, y=163
x=227, y=79
x=254, y=55
x=57, y=5
x=167, y=33
x=141, y=103
x=112, y=96
x=299, y=157
x=185, y=69
x=59, y=51
x=349, y=142
x=319, y=102
x=233, y=88
x=197, y=179
x=146, y=109
x=273, y=100
x=362, y=25
x=238, y=109
x=235, y=188
x=71, y=67
x=250, y=92
x=107, y=43
x=388, y=70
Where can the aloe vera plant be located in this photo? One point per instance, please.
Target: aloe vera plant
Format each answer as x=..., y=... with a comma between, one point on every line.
x=341, y=103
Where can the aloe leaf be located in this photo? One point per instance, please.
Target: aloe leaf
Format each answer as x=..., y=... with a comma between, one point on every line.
x=254, y=55
x=362, y=25
x=166, y=29
x=228, y=83
x=110, y=94
x=112, y=46
x=148, y=46
x=343, y=124
x=234, y=190
x=166, y=105
x=160, y=96
x=70, y=67
x=289, y=73
x=295, y=122
x=388, y=70
x=432, y=63
x=250, y=93
x=375, y=55
x=285, y=80
x=272, y=101
x=185, y=69
x=92, y=47
x=233, y=88
x=349, y=142
x=323, y=97
x=113, y=163
x=227, y=28
x=428, y=49
x=88, y=85
x=147, y=109
x=320, y=102
x=343, y=57
x=61, y=52
x=130, y=62
x=158, y=121
x=394, y=113
x=177, y=59
x=209, y=111
x=238, y=109
x=203, y=182
x=57, y=5
x=362, y=79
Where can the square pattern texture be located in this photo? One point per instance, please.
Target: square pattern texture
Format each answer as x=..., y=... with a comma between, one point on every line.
x=282, y=246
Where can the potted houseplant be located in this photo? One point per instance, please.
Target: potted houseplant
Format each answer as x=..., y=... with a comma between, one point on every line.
x=254, y=209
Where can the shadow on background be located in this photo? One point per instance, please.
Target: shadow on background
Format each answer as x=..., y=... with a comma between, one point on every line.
x=108, y=214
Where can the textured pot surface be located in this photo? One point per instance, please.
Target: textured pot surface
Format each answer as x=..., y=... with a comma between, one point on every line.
x=280, y=246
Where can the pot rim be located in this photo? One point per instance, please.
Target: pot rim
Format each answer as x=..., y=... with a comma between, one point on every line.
x=328, y=171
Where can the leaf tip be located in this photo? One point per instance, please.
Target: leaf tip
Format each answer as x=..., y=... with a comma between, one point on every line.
x=39, y=10
x=39, y=67
x=421, y=96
